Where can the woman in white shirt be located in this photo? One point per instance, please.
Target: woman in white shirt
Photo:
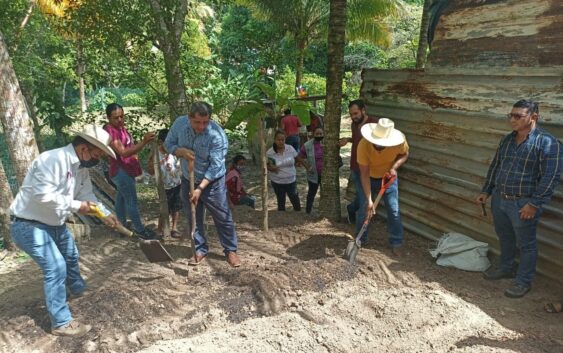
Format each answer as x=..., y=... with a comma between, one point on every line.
x=283, y=176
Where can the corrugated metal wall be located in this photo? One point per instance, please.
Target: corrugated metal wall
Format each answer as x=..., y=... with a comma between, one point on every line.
x=453, y=115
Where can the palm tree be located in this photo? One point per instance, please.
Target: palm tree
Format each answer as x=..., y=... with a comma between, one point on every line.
x=423, y=36
x=330, y=190
x=307, y=20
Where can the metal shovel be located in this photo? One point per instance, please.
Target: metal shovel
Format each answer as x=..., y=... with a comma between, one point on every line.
x=355, y=245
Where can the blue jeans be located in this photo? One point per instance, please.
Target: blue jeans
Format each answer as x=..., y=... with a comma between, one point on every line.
x=516, y=234
x=391, y=199
x=54, y=250
x=214, y=198
x=126, y=203
x=293, y=141
x=353, y=207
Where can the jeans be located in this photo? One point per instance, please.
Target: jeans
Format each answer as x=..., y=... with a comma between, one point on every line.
x=126, y=203
x=54, y=250
x=516, y=234
x=291, y=190
x=293, y=141
x=391, y=198
x=214, y=198
x=353, y=207
x=248, y=201
x=311, y=193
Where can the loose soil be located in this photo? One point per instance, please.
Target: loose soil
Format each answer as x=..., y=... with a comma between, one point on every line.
x=293, y=293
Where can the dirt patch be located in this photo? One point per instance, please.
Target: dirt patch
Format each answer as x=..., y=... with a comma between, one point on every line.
x=293, y=293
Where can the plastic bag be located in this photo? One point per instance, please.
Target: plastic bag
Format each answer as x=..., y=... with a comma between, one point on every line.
x=460, y=251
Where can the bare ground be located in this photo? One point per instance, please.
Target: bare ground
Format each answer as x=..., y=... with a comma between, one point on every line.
x=293, y=293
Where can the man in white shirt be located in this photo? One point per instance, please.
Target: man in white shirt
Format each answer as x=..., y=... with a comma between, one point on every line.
x=56, y=185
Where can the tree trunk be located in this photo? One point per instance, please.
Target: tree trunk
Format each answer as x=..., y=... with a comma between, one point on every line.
x=169, y=18
x=164, y=218
x=299, y=65
x=263, y=165
x=423, y=36
x=80, y=70
x=6, y=198
x=330, y=188
x=14, y=117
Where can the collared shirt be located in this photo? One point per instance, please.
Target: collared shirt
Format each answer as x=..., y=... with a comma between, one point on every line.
x=53, y=188
x=356, y=138
x=285, y=161
x=210, y=148
x=130, y=164
x=531, y=169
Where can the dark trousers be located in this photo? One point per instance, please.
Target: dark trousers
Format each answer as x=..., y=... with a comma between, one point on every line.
x=311, y=193
x=291, y=191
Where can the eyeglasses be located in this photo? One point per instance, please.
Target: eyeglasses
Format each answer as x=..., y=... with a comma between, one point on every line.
x=516, y=116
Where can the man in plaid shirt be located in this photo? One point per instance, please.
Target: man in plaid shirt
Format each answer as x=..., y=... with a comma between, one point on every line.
x=521, y=179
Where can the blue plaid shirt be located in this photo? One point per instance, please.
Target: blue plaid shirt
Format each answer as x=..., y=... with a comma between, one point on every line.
x=531, y=169
x=210, y=148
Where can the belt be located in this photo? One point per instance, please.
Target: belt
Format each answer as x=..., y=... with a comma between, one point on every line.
x=511, y=197
x=19, y=219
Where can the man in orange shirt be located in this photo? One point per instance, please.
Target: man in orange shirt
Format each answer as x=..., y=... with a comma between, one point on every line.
x=383, y=149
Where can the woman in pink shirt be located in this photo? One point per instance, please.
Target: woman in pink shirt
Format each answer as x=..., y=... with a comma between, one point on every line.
x=125, y=168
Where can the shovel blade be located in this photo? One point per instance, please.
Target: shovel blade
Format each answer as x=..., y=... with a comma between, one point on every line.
x=154, y=251
x=351, y=252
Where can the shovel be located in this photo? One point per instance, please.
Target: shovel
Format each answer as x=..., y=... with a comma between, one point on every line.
x=355, y=245
x=191, y=168
x=153, y=249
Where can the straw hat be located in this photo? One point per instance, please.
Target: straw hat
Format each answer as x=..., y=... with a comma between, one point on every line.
x=383, y=133
x=98, y=137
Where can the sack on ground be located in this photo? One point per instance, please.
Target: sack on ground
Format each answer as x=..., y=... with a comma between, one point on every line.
x=462, y=252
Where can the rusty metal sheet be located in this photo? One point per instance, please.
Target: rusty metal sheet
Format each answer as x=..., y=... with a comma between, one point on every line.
x=454, y=120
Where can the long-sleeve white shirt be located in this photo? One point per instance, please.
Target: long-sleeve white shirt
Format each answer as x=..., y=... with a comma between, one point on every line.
x=53, y=188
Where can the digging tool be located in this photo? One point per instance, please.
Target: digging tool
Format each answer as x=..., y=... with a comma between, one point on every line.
x=355, y=245
x=153, y=249
x=191, y=169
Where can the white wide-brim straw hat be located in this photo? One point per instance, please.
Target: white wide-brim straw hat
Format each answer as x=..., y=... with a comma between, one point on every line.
x=98, y=137
x=383, y=133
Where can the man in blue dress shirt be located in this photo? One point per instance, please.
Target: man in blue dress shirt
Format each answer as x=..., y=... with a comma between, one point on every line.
x=521, y=179
x=196, y=138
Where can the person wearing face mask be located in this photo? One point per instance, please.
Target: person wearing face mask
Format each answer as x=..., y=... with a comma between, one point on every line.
x=235, y=187
x=56, y=185
x=311, y=156
x=124, y=168
x=357, y=112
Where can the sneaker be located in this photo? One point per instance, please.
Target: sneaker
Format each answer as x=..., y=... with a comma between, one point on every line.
x=517, y=290
x=146, y=234
x=497, y=273
x=72, y=329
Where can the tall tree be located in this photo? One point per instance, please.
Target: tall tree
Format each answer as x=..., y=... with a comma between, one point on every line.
x=307, y=20
x=330, y=190
x=14, y=117
x=423, y=37
x=6, y=198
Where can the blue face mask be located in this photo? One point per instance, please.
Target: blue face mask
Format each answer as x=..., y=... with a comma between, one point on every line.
x=89, y=164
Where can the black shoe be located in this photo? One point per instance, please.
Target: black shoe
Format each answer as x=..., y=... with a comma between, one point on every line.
x=497, y=273
x=517, y=290
x=146, y=234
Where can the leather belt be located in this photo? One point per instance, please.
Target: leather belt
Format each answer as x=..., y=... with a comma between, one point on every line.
x=511, y=197
x=19, y=219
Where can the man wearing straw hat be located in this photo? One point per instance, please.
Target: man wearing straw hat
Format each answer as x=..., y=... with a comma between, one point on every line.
x=382, y=150
x=56, y=185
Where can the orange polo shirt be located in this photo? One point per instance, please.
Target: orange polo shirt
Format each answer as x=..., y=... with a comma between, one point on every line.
x=379, y=162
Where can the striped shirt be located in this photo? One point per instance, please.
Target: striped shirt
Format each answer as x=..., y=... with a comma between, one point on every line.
x=531, y=169
x=210, y=148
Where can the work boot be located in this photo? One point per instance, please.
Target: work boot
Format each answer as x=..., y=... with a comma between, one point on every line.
x=233, y=259
x=517, y=290
x=497, y=273
x=72, y=329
